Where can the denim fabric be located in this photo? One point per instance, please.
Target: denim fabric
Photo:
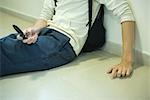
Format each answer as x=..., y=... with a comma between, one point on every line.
x=51, y=50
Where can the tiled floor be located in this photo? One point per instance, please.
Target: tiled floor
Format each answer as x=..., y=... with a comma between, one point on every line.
x=83, y=79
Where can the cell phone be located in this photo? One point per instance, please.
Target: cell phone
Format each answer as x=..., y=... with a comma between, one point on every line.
x=19, y=31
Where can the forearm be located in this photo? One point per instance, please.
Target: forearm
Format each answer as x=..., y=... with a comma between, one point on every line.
x=128, y=29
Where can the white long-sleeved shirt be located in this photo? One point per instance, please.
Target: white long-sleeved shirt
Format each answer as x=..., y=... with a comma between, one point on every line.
x=71, y=17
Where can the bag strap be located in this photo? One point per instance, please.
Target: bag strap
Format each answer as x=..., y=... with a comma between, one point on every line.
x=55, y=1
x=99, y=15
x=90, y=4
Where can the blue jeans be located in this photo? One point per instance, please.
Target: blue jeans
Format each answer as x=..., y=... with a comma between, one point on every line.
x=51, y=50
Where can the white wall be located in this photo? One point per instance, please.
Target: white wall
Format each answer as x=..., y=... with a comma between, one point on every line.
x=139, y=7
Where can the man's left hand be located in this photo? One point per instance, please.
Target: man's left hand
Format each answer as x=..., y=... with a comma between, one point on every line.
x=120, y=70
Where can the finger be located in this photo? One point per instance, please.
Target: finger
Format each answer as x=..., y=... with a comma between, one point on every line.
x=31, y=40
x=129, y=72
x=27, y=40
x=34, y=41
x=123, y=72
x=114, y=73
x=35, y=36
x=110, y=70
x=119, y=72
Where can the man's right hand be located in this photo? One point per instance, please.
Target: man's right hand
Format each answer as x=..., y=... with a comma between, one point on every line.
x=32, y=32
x=31, y=35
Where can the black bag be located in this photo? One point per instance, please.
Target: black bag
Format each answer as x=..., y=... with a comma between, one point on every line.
x=96, y=34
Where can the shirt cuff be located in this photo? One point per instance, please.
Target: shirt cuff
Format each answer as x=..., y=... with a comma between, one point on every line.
x=127, y=18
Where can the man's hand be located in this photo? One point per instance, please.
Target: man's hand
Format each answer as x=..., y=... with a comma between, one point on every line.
x=123, y=69
x=32, y=32
x=31, y=35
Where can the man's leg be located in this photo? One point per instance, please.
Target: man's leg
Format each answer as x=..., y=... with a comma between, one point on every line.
x=51, y=50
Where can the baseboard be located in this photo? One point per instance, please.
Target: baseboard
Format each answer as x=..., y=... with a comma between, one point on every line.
x=18, y=14
x=113, y=48
x=140, y=58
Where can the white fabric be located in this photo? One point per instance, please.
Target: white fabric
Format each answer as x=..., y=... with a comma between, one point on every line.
x=72, y=16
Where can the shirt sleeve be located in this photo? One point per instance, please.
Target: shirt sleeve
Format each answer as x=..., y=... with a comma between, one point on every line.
x=119, y=8
x=47, y=10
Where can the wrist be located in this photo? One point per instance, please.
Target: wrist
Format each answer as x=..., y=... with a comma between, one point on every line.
x=127, y=56
x=127, y=59
x=40, y=24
